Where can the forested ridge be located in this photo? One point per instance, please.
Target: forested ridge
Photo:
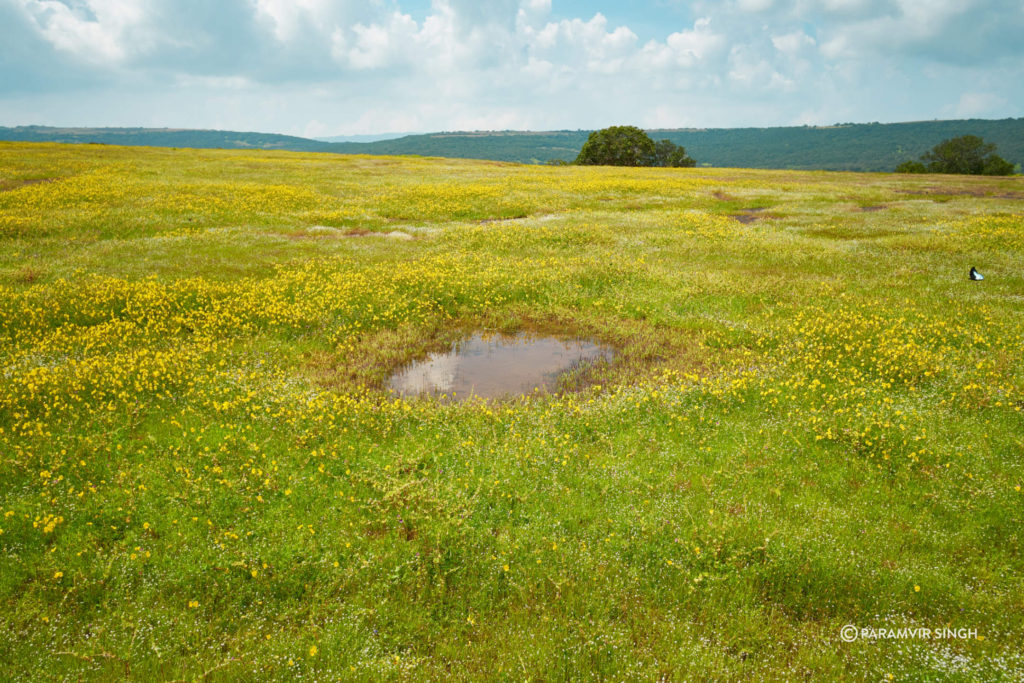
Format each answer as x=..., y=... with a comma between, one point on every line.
x=841, y=147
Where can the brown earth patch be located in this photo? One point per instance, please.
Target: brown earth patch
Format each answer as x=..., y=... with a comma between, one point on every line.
x=486, y=221
x=26, y=275
x=843, y=233
x=8, y=184
x=315, y=232
x=948, y=191
x=324, y=232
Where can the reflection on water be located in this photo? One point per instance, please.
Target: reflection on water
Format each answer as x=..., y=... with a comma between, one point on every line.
x=493, y=366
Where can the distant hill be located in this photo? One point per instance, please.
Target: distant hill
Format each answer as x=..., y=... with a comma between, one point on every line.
x=525, y=147
x=364, y=138
x=842, y=147
x=163, y=137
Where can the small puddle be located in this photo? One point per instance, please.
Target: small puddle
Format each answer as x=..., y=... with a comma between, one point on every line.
x=495, y=366
x=751, y=214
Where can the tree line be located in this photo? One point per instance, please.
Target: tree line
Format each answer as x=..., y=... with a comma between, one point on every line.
x=631, y=146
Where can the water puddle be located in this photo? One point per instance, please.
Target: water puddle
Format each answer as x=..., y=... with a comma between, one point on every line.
x=495, y=366
x=751, y=214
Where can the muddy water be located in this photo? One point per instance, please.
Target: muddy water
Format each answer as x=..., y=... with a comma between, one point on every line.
x=495, y=366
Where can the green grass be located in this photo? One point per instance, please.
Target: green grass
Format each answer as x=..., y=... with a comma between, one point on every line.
x=814, y=419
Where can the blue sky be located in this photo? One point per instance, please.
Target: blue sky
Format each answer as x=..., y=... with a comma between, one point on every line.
x=336, y=67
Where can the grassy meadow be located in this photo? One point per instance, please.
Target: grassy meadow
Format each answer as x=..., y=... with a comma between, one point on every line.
x=814, y=420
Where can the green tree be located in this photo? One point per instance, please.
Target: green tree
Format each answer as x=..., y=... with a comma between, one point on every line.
x=996, y=165
x=968, y=155
x=668, y=154
x=911, y=167
x=617, y=146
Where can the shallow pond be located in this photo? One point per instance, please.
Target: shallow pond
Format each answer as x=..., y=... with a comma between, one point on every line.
x=495, y=366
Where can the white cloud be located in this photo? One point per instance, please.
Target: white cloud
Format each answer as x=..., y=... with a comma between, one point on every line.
x=792, y=43
x=100, y=32
x=685, y=49
x=378, y=46
x=696, y=44
x=752, y=72
x=972, y=104
x=755, y=5
x=290, y=19
x=532, y=13
x=950, y=31
x=588, y=44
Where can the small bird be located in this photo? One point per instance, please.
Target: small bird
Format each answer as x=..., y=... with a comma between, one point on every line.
x=975, y=275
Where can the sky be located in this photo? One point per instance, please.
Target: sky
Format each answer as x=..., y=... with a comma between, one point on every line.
x=341, y=67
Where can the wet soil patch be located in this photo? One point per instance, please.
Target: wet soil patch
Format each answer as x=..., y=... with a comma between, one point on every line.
x=749, y=215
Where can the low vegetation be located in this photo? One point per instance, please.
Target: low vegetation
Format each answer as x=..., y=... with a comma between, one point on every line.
x=965, y=155
x=813, y=420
